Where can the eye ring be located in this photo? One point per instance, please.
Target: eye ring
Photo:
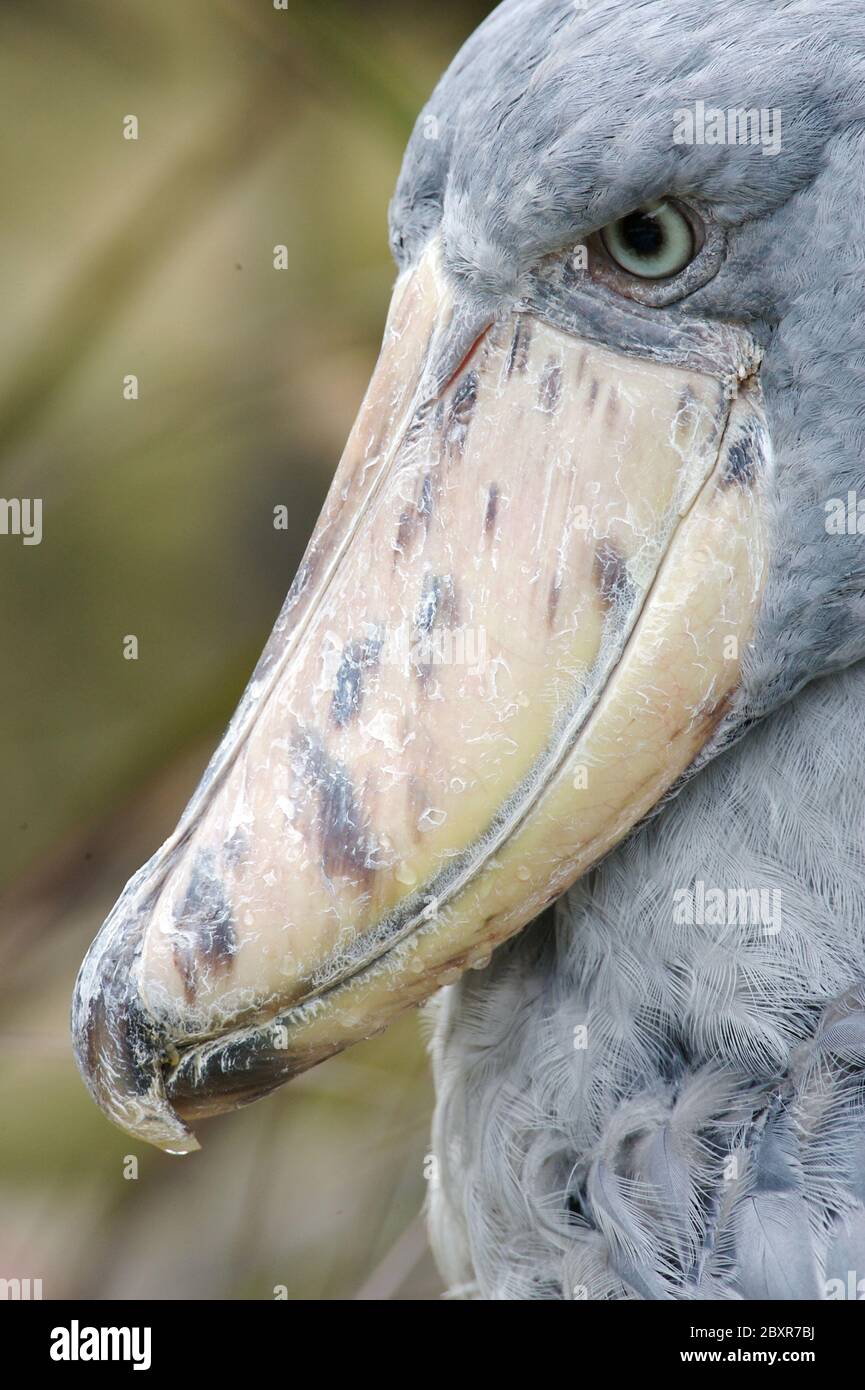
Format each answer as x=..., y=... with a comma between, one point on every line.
x=654, y=242
x=709, y=248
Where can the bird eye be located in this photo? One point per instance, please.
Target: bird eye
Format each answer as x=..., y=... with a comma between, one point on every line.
x=654, y=241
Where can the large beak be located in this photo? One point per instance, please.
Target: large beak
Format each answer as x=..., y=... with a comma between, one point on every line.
x=520, y=618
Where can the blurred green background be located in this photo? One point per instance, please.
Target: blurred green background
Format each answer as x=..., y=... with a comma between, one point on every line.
x=257, y=127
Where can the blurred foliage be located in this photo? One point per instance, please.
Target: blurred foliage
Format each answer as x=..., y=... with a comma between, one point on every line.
x=154, y=257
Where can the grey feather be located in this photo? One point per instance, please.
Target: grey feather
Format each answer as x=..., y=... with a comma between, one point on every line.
x=774, y=1248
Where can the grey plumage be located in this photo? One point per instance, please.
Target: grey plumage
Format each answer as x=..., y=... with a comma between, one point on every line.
x=708, y=1140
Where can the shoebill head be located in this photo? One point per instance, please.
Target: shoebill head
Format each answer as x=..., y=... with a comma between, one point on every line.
x=576, y=543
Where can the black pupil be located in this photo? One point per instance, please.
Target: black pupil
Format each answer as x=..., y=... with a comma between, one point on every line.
x=642, y=233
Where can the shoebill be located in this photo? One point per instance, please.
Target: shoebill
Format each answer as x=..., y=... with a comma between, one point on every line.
x=598, y=519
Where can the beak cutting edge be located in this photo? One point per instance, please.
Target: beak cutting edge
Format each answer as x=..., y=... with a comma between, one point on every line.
x=519, y=620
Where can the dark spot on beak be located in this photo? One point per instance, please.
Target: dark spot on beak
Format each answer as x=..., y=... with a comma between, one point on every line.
x=135, y=1042
x=427, y=414
x=419, y=513
x=357, y=658
x=740, y=465
x=404, y=533
x=117, y=1043
x=492, y=509
x=425, y=503
x=345, y=847
x=550, y=389
x=593, y=394
x=118, y=1032
x=518, y=357
x=611, y=576
x=205, y=939
x=460, y=411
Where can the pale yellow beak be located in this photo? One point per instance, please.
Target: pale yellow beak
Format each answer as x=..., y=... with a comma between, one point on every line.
x=519, y=620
